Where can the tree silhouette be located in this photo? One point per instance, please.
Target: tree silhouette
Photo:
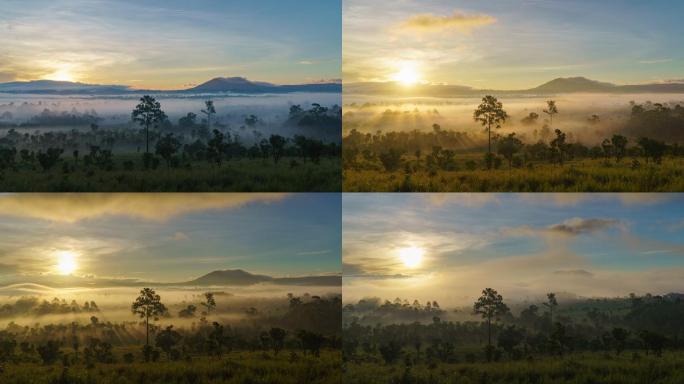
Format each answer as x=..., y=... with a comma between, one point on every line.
x=148, y=113
x=490, y=306
x=619, y=143
x=277, y=147
x=166, y=147
x=278, y=337
x=210, y=110
x=209, y=302
x=147, y=305
x=490, y=112
x=551, y=303
x=167, y=339
x=559, y=145
x=551, y=110
x=508, y=147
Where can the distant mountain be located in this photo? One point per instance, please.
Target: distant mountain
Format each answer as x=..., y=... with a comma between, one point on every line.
x=555, y=86
x=242, y=85
x=227, y=277
x=236, y=277
x=59, y=87
x=219, y=84
x=573, y=84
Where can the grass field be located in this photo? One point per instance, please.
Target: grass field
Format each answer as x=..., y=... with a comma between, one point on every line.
x=235, y=367
x=586, y=175
x=579, y=368
x=243, y=175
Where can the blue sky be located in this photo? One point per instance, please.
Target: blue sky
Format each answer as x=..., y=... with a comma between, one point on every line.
x=514, y=44
x=522, y=244
x=170, y=237
x=170, y=44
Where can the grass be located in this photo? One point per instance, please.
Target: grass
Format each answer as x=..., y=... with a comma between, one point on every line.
x=236, y=367
x=579, y=368
x=584, y=175
x=244, y=175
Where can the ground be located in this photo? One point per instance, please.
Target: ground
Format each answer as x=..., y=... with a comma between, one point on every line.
x=586, y=175
x=579, y=368
x=235, y=367
x=244, y=175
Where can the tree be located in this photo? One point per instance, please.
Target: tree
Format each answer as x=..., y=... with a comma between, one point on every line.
x=509, y=338
x=147, y=305
x=148, y=113
x=216, y=148
x=311, y=341
x=551, y=110
x=620, y=337
x=277, y=147
x=391, y=160
x=49, y=158
x=209, y=302
x=390, y=352
x=559, y=145
x=49, y=352
x=189, y=311
x=278, y=337
x=187, y=121
x=167, y=339
x=210, y=110
x=490, y=306
x=508, y=147
x=530, y=119
x=652, y=149
x=551, y=303
x=490, y=112
x=166, y=147
x=619, y=143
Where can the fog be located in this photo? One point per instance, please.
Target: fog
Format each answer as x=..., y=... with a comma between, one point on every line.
x=114, y=303
x=369, y=114
x=115, y=111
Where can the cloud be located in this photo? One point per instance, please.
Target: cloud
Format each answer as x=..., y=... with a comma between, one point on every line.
x=655, y=61
x=180, y=236
x=574, y=272
x=578, y=226
x=456, y=21
x=71, y=208
x=307, y=62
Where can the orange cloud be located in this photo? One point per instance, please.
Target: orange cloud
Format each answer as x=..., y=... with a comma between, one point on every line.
x=434, y=23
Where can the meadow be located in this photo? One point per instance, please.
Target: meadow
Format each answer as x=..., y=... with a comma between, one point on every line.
x=471, y=175
x=234, y=367
x=576, y=368
x=127, y=173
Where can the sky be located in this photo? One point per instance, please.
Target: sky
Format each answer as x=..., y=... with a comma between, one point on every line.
x=168, y=237
x=505, y=44
x=170, y=44
x=448, y=247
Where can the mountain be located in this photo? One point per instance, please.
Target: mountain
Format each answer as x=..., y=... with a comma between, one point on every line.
x=227, y=277
x=555, y=86
x=242, y=85
x=59, y=87
x=573, y=84
x=237, y=277
x=218, y=84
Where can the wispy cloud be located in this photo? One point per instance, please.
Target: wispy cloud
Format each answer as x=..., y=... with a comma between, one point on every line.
x=457, y=21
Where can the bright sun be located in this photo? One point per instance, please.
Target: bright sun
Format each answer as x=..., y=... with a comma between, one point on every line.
x=62, y=74
x=412, y=257
x=66, y=262
x=407, y=75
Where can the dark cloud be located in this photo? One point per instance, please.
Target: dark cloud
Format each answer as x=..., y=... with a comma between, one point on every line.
x=574, y=272
x=578, y=226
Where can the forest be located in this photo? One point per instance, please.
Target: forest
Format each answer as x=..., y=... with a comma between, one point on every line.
x=293, y=339
x=640, y=153
x=632, y=339
x=60, y=151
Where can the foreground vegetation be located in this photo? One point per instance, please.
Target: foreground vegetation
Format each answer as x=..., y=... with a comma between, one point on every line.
x=151, y=153
x=285, y=340
x=234, y=367
x=445, y=160
x=620, y=340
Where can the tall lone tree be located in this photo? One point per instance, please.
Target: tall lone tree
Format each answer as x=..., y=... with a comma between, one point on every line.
x=490, y=113
x=551, y=303
x=209, y=302
x=551, y=110
x=210, y=110
x=147, y=305
x=148, y=113
x=490, y=306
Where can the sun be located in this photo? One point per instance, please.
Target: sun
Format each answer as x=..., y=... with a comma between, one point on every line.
x=61, y=74
x=412, y=257
x=408, y=75
x=66, y=262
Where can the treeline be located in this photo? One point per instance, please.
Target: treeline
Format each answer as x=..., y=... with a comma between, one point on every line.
x=374, y=311
x=307, y=324
x=648, y=324
x=33, y=306
x=439, y=149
